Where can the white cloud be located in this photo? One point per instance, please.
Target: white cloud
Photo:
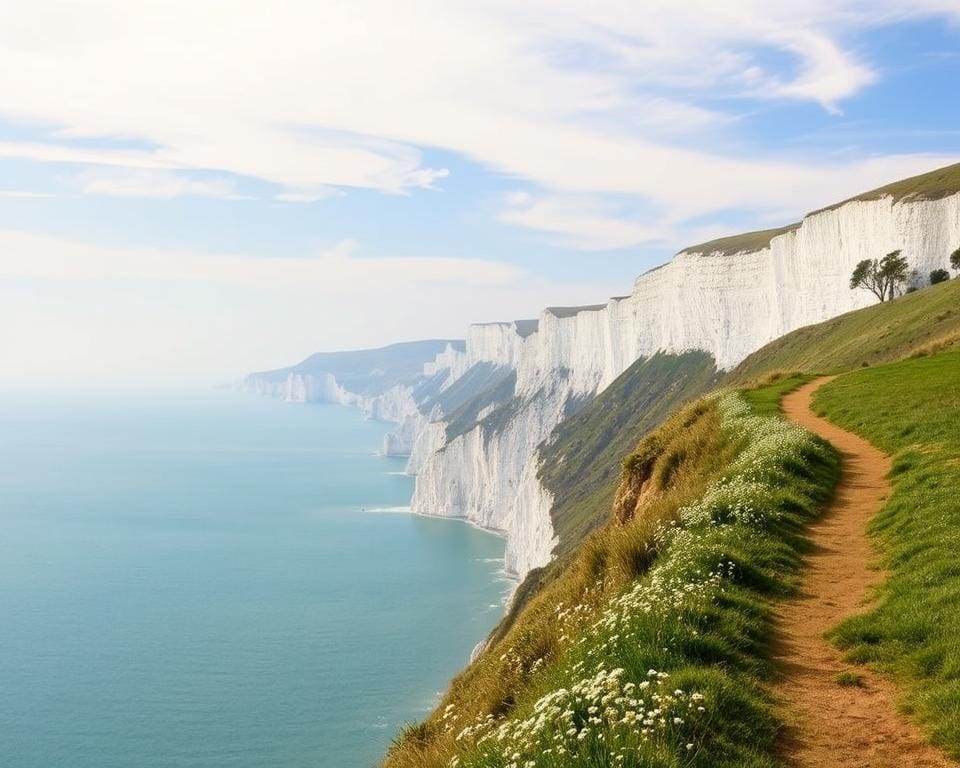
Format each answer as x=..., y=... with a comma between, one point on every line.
x=24, y=254
x=157, y=184
x=578, y=222
x=569, y=96
x=315, y=195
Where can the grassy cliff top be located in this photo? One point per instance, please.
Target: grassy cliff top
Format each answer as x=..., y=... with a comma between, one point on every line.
x=748, y=241
x=562, y=312
x=926, y=186
x=526, y=327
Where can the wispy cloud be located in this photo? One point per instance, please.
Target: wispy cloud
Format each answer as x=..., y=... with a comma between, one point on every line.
x=24, y=254
x=156, y=184
x=573, y=98
x=578, y=222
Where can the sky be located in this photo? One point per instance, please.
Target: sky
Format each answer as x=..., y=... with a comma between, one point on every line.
x=192, y=189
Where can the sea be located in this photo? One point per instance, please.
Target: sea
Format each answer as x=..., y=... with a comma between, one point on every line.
x=213, y=579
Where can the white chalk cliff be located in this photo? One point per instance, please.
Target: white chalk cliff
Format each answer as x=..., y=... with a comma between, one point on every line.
x=476, y=457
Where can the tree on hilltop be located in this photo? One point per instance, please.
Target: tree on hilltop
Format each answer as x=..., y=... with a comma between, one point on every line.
x=884, y=278
x=955, y=259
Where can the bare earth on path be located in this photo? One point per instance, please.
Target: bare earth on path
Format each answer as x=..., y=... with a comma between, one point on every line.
x=840, y=726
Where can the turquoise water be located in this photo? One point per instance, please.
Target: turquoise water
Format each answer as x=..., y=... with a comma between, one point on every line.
x=192, y=581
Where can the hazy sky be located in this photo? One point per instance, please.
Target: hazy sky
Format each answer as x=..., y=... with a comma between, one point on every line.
x=191, y=189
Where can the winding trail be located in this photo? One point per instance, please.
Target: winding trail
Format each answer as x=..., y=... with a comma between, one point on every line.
x=840, y=726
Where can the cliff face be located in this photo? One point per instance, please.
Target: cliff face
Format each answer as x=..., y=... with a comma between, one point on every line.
x=474, y=420
x=726, y=304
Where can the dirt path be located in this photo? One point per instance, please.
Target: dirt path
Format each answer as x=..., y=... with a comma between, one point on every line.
x=839, y=726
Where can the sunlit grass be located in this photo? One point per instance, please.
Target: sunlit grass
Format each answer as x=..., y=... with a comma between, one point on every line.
x=651, y=649
x=927, y=319
x=911, y=410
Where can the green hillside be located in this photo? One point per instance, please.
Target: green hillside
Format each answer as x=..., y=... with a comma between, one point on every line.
x=678, y=540
x=927, y=186
x=581, y=462
x=658, y=628
x=911, y=409
x=748, y=241
x=927, y=320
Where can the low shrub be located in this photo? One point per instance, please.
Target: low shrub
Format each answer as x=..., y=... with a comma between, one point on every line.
x=939, y=276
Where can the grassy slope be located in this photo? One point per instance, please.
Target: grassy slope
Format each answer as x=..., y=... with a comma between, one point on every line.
x=530, y=657
x=748, y=241
x=581, y=463
x=705, y=532
x=927, y=186
x=765, y=400
x=583, y=458
x=911, y=409
x=881, y=333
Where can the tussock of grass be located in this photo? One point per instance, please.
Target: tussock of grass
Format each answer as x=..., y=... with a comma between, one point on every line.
x=911, y=409
x=849, y=679
x=651, y=647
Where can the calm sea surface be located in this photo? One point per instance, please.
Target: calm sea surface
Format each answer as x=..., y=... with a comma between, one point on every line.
x=193, y=581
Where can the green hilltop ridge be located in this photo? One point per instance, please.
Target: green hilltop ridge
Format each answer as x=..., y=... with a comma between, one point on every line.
x=926, y=320
x=927, y=186
x=681, y=500
x=748, y=241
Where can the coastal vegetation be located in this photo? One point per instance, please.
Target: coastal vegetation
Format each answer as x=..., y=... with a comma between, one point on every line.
x=660, y=625
x=655, y=622
x=927, y=320
x=927, y=186
x=939, y=276
x=884, y=278
x=911, y=410
x=933, y=185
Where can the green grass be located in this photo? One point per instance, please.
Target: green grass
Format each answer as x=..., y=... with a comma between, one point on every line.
x=926, y=319
x=748, y=241
x=673, y=594
x=927, y=186
x=911, y=410
x=671, y=521
x=581, y=462
x=765, y=400
x=849, y=679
